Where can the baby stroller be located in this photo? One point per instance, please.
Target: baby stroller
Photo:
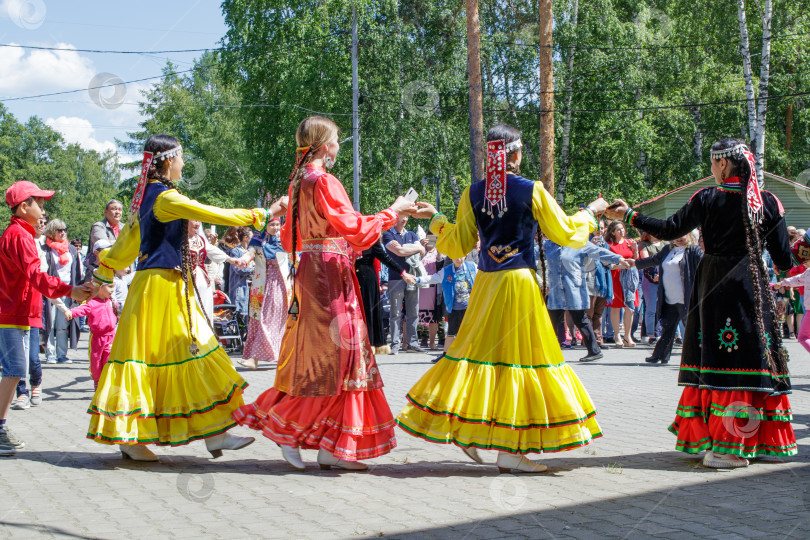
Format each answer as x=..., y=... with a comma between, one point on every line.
x=229, y=326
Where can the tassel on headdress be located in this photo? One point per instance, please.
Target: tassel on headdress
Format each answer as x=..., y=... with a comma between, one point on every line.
x=137, y=198
x=495, y=193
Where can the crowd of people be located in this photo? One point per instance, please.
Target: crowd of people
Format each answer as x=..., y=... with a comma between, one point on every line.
x=514, y=270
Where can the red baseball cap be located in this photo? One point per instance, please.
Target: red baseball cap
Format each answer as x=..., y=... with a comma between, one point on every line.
x=20, y=191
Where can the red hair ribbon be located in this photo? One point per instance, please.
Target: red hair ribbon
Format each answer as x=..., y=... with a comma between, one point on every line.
x=753, y=195
x=137, y=198
x=300, y=152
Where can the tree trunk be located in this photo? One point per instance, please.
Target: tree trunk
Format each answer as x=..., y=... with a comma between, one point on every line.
x=745, y=51
x=789, y=127
x=546, y=95
x=764, y=77
x=474, y=78
x=566, y=136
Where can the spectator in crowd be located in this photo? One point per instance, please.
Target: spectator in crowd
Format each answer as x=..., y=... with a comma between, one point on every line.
x=800, y=277
x=229, y=241
x=677, y=264
x=214, y=269
x=102, y=319
x=600, y=285
x=401, y=244
x=268, y=297
x=34, y=373
x=238, y=286
x=201, y=250
x=20, y=272
x=649, y=247
x=64, y=263
x=108, y=228
x=431, y=310
x=370, y=285
x=625, y=286
x=457, y=280
x=568, y=291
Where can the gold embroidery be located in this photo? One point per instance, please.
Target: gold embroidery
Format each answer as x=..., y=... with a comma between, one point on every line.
x=496, y=251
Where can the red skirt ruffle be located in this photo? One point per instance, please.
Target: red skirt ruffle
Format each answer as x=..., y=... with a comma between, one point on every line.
x=350, y=425
x=740, y=422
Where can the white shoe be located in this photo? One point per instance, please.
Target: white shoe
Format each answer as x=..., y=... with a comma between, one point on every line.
x=293, y=456
x=137, y=452
x=472, y=453
x=326, y=460
x=718, y=460
x=226, y=441
x=516, y=463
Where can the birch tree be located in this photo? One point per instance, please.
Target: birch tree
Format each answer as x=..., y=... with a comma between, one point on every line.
x=757, y=106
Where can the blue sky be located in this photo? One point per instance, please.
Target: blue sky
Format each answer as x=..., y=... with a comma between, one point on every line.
x=147, y=25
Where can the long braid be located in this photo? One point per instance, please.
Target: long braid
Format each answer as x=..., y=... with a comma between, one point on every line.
x=186, y=267
x=297, y=176
x=756, y=267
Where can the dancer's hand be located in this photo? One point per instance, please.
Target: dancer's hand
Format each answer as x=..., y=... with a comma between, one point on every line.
x=68, y=315
x=624, y=264
x=598, y=206
x=279, y=206
x=617, y=209
x=425, y=211
x=403, y=206
x=408, y=278
x=82, y=292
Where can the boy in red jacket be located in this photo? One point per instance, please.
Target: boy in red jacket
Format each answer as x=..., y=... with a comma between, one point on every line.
x=22, y=284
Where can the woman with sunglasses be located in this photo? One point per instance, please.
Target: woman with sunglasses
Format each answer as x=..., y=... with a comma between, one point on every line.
x=64, y=262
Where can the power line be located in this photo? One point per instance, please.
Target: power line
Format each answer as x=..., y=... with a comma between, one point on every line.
x=628, y=109
x=172, y=51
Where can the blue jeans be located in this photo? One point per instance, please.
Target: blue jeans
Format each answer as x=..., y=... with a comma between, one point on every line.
x=14, y=352
x=650, y=291
x=398, y=294
x=34, y=365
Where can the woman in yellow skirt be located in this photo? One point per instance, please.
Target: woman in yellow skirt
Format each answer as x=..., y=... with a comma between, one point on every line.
x=168, y=382
x=503, y=383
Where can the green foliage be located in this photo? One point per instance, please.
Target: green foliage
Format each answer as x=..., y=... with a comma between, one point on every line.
x=654, y=83
x=84, y=180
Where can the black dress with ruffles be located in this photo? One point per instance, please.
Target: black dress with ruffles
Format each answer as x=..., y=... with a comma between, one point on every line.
x=730, y=385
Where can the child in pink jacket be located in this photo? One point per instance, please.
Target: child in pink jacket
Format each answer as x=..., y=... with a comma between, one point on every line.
x=102, y=322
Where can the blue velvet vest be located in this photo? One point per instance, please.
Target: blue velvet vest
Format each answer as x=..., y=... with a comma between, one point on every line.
x=160, y=242
x=506, y=242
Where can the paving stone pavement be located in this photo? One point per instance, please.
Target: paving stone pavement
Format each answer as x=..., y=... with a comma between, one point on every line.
x=629, y=484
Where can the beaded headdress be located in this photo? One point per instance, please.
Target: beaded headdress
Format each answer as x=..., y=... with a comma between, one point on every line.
x=753, y=194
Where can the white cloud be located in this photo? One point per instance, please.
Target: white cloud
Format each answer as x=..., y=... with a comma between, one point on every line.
x=80, y=131
x=24, y=71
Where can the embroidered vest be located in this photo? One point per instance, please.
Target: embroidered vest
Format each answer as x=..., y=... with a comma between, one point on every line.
x=160, y=242
x=507, y=242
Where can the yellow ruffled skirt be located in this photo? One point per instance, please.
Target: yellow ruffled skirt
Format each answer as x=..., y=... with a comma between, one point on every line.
x=503, y=384
x=153, y=390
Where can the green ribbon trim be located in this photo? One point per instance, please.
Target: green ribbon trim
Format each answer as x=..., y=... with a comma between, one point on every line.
x=753, y=373
x=485, y=421
x=122, y=362
x=503, y=364
x=95, y=410
x=560, y=448
x=158, y=442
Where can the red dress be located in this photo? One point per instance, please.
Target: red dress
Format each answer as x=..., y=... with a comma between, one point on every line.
x=328, y=391
x=625, y=251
